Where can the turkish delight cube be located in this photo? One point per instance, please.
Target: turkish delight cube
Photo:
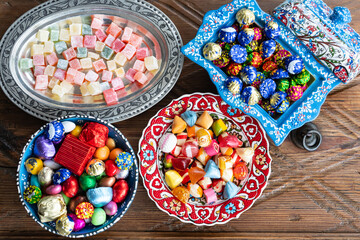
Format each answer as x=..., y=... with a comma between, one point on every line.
x=60, y=47
x=110, y=96
x=106, y=76
x=75, y=29
x=53, y=81
x=91, y=76
x=100, y=35
x=75, y=64
x=117, y=45
x=76, y=19
x=49, y=70
x=39, y=70
x=142, y=53
x=37, y=49
x=120, y=59
x=79, y=78
x=82, y=52
x=111, y=65
x=109, y=40
x=38, y=60
x=54, y=35
x=130, y=74
x=70, y=75
x=41, y=82
x=94, y=88
x=52, y=59
x=93, y=55
x=86, y=29
x=139, y=66
x=69, y=54
x=120, y=72
x=96, y=23
x=107, y=53
x=90, y=41
x=77, y=41
x=127, y=34
x=104, y=86
x=84, y=90
x=58, y=90
x=140, y=77
x=43, y=35
x=129, y=51
x=64, y=35
x=62, y=64
x=117, y=83
x=86, y=63
x=49, y=47
x=113, y=30
x=26, y=63
x=151, y=63
x=54, y=26
x=60, y=74
x=99, y=65
x=99, y=46
x=66, y=86
x=136, y=40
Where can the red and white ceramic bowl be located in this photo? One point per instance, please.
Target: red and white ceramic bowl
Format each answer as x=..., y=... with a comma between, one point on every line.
x=196, y=211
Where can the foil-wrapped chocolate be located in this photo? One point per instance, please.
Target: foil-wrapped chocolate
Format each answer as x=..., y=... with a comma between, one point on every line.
x=64, y=225
x=257, y=34
x=227, y=34
x=44, y=148
x=272, y=30
x=32, y=194
x=246, y=36
x=250, y=95
x=95, y=167
x=234, y=84
x=238, y=54
x=283, y=85
x=223, y=60
x=277, y=98
x=302, y=78
x=267, y=88
x=256, y=59
x=45, y=176
x=267, y=48
x=212, y=51
x=295, y=93
x=294, y=65
x=233, y=69
x=51, y=207
x=61, y=175
x=284, y=105
x=55, y=131
x=279, y=74
x=248, y=74
x=245, y=17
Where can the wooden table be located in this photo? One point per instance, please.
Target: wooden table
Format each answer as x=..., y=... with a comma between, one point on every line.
x=310, y=195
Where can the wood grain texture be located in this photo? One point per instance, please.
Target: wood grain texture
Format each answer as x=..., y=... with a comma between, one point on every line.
x=310, y=195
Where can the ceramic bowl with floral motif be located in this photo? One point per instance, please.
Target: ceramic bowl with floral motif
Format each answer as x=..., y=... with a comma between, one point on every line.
x=196, y=210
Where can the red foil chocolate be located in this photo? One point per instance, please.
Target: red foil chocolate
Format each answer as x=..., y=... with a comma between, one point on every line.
x=74, y=154
x=120, y=190
x=94, y=134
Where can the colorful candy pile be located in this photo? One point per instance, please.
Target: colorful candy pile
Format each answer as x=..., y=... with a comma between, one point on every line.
x=203, y=163
x=84, y=55
x=259, y=69
x=70, y=182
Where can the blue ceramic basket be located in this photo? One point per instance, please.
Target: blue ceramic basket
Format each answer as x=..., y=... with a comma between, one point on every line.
x=23, y=178
x=304, y=110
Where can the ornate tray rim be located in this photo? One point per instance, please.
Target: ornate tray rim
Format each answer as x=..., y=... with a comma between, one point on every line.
x=304, y=110
x=115, y=113
x=240, y=198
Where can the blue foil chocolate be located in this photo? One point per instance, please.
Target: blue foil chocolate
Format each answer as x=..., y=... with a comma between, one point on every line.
x=55, y=131
x=234, y=84
x=277, y=98
x=267, y=88
x=61, y=175
x=267, y=48
x=250, y=95
x=100, y=196
x=294, y=65
x=284, y=105
x=238, y=54
x=246, y=36
x=228, y=34
x=248, y=74
x=272, y=30
x=279, y=74
x=260, y=77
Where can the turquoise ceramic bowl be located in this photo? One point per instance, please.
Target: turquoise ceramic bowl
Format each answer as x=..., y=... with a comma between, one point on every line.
x=23, y=178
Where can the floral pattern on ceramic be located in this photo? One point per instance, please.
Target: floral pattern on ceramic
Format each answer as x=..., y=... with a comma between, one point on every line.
x=304, y=110
x=196, y=211
x=326, y=33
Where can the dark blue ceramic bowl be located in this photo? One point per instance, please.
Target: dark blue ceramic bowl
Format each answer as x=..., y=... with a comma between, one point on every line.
x=23, y=178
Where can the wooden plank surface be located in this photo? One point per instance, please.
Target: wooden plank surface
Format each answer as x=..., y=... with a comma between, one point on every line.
x=310, y=195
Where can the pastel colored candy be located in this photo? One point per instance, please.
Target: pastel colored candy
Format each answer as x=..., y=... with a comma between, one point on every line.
x=32, y=194
x=51, y=207
x=212, y=149
x=227, y=174
x=100, y=196
x=279, y=74
x=195, y=190
x=219, y=127
x=227, y=34
x=167, y=142
x=84, y=210
x=230, y=190
x=45, y=176
x=68, y=126
x=250, y=95
x=257, y=34
x=212, y=51
x=55, y=131
x=267, y=48
x=178, y=125
x=122, y=174
x=61, y=175
x=95, y=167
x=44, y=148
x=294, y=64
x=124, y=161
x=245, y=17
x=238, y=54
x=272, y=30
x=64, y=225
x=223, y=60
x=234, y=84
x=52, y=164
x=212, y=170
x=111, y=208
x=181, y=138
x=295, y=93
x=99, y=217
x=173, y=178
x=33, y=165
x=248, y=74
x=53, y=189
x=210, y=195
x=284, y=105
x=78, y=223
x=277, y=98
x=189, y=117
x=245, y=36
x=267, y=88
x=233, y=68
x=120, y=191
x=205, y=120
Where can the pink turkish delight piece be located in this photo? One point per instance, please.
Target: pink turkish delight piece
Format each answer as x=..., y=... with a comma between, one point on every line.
x=75, y=64
x=126, y=35
x=96, y=23
x=136, y=40
x=60, y=74
x=100, y=35
x=129, y=51
x=70, y=75
x=69, y=54
x=79, y=78
x=117, y=45
x=106, y=76
x=113, y=30
x=117, y=83
x=210, y=195
x=140, y=77
x=142, y=53
x=90, y=41
x=99, y=65
x=110, y=96
x=91, y=76
x=77, y=41
x=109, y=40
x=39, y=70
x=38, y=60
x=52, y=59
x=130, y=74
x=139, y=66
x=41, y=82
